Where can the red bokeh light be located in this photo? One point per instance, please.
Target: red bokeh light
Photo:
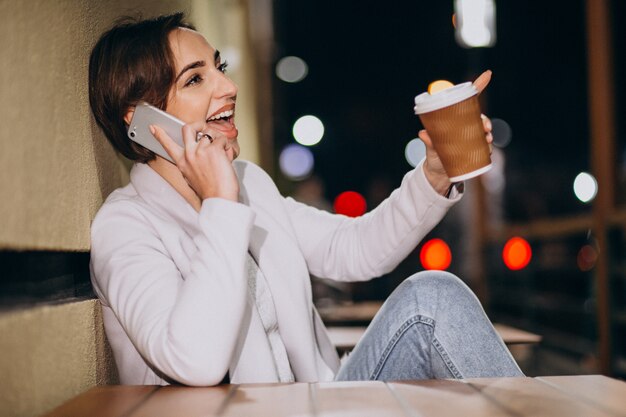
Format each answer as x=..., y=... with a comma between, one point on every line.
x=350, y=203
x=435, y=254
x=587, y=257
x=516, y=253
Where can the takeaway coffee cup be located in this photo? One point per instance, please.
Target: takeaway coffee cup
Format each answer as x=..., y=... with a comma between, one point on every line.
x=452, y=119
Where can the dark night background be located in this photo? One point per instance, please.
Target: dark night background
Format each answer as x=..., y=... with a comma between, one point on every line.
x=368, y=60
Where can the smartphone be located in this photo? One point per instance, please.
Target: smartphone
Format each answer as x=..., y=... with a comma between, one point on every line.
x=146, y=115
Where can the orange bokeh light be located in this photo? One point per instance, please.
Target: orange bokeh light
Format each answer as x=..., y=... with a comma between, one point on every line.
x=350, y=203
x=435, y=254
x=516, y=253
x=439, y=85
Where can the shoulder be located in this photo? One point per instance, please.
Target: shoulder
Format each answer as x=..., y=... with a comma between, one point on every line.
x=122, y=213
x=122, y=200
x=249, y=171
x=254, y=178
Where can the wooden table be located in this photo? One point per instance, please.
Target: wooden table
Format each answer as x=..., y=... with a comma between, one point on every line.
x=345, y=338
x=514, y=336
x=569, y=396
x=352, y=313
x=346, y=323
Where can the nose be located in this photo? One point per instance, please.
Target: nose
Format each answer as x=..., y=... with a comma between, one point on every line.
x=227, y=88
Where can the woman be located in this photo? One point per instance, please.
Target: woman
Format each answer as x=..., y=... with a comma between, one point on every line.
x=203, y=267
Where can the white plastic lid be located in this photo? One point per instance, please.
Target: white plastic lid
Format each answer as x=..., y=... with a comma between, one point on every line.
x=427, y=102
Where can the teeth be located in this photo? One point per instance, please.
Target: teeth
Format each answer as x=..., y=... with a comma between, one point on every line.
x=222, y=115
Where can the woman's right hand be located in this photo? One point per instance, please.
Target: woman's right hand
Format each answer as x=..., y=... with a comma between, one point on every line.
x=206, y=165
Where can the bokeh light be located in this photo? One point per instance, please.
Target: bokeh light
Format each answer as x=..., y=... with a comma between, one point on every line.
x=291, y=69
x=475, y=23
x=586, y=258
x=439, y=85
x=502, y=133
x=585, y=187
x=436, y=255
x=516, y=253
x=414, y=151
x=296, y=162
x=350, y=203
x=308, y=130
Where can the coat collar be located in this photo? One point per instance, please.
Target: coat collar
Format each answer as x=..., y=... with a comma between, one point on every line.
x=162, y=197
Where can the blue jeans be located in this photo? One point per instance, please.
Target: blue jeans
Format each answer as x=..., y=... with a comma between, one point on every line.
x=431, y=326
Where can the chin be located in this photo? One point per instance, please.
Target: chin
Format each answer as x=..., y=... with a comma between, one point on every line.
x=235, y=148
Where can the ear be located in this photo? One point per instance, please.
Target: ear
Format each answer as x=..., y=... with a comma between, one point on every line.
x=129, y=115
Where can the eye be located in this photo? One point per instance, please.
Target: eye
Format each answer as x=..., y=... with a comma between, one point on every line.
x=195, y=79
x=222, y=66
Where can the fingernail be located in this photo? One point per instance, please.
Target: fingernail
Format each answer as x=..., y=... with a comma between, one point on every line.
x=152, y=129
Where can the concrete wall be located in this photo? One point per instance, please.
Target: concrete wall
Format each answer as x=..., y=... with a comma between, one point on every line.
x=53, y=353
x=56, y=168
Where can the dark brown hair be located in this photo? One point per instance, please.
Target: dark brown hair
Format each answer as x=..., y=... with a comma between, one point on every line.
x=131, y=62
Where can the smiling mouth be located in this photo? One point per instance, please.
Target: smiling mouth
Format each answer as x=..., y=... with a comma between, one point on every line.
x=224, y=121
x=225, y=115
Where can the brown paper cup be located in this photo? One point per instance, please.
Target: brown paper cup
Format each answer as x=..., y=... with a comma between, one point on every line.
x=457, y=132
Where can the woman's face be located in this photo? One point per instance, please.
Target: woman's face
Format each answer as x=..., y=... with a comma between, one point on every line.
x=201, y=90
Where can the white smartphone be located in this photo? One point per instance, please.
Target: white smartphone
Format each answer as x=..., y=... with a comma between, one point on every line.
x=146, y=115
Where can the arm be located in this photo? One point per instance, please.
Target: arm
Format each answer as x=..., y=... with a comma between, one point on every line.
x=352, y=249
x=185, y=326
x=369, y=246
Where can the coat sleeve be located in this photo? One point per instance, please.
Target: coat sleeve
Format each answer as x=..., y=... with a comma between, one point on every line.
x=187, y=327
x=355, y=249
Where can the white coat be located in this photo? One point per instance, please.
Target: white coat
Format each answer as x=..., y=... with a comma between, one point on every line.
x=173, y=284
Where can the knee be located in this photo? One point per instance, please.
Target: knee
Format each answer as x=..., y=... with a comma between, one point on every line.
x=439, y=282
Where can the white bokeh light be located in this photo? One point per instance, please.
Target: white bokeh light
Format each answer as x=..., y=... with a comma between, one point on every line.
x=296, y=162
x=291, y=69
x=475, y=23
x=476, y=36
x=414, y=151
x=308, y=130
x=585, y=187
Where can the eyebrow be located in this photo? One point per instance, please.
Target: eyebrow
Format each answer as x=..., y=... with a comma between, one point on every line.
x=197, y=64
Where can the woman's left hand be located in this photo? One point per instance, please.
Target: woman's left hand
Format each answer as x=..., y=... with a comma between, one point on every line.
x=433, y=168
